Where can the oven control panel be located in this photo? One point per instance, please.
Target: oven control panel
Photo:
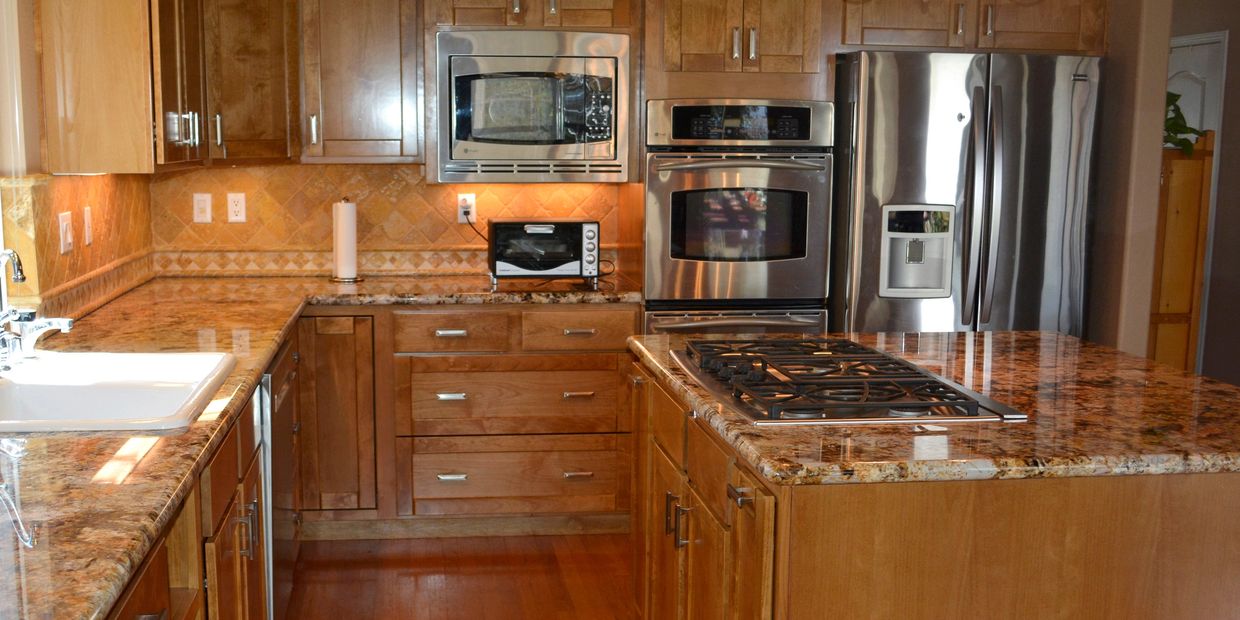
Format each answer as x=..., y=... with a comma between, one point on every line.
x=740, y=122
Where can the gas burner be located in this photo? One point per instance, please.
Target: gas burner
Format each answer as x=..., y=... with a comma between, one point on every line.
x=831, y=380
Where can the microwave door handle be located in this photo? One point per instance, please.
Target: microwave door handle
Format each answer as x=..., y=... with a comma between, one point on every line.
x=773, y=164
x=735, y=322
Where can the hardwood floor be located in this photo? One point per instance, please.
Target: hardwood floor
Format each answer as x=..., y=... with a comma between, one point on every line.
x=535, y=577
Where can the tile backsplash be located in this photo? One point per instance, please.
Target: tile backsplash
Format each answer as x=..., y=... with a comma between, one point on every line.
x=404, y=224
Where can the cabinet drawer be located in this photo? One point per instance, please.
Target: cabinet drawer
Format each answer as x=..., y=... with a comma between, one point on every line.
x=219, y=481
x=436, y=332
x=667, y=424
x=709, y=468
x=507, y=474
x=482, y=403
x=284, y=371
x=577, y=330
x=150, y=593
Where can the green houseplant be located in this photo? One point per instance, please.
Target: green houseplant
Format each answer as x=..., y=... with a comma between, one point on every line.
x=1175, y=127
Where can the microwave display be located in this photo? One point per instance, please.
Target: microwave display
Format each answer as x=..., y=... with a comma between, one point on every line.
x=533, y=108
x=738, y=224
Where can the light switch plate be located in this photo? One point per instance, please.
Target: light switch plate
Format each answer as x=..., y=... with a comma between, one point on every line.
x=88, y=231
x=65, y=220
x=202, y=208
x=466, y=208
x=236, y=207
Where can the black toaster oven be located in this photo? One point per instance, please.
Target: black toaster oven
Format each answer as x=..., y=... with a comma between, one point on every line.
x=567, y=248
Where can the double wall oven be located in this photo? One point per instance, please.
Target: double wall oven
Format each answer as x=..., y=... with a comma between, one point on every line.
x=738, y=213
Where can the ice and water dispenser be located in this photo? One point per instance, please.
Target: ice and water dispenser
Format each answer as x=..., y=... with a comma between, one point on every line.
x=917, y=249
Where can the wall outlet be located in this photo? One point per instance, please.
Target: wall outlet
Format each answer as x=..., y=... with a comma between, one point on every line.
x=466, y=208
x=236, y=207
x=202, y=208
x=88, y=231
x=65, y=220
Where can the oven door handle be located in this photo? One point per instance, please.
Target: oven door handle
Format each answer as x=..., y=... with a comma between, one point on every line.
x=714, y=164
x=735, y=322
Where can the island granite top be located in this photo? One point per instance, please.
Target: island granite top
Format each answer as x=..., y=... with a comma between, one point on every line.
x=1093, y=411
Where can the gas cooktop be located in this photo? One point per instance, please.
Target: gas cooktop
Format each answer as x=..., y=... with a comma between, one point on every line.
x=830, y=381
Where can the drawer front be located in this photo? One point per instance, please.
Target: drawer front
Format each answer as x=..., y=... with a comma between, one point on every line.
x=150, y=594
x=667, y=424
x=577, y=330
x=485, y=403
x=709, y=468
x=548, y=473
x=455, y=332
x=219, y=481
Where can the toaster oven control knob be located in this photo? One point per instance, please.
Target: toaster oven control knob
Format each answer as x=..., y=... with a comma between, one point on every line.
x=589, y=247
x=590, y=235
x=589, y=259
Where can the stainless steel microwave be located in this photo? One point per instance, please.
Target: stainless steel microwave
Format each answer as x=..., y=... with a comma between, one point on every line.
x=532, y=106
x=544, y=248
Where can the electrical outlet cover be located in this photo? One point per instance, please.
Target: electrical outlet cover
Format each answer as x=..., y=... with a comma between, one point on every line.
x=202, y=208
x=236, y=207
x=88, y=232
x=466, y=208
x=65, y=221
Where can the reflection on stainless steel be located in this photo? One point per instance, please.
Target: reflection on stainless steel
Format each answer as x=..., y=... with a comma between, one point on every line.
x=533, y=106
x=737, y=321
x=1001, y=143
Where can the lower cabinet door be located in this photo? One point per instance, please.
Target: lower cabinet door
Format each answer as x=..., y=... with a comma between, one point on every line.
x=252, y=542
x=224, y=588
x=706, y=562
x=666, y=519
x=753, y=549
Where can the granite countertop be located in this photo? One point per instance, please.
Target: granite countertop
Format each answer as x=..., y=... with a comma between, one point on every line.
x=96, y=510
x=1093, y=411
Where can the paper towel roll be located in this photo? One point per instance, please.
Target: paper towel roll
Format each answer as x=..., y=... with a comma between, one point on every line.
x=344, y=240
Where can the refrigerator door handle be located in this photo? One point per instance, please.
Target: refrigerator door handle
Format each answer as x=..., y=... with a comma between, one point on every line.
x=976, y=196
x=994, y=210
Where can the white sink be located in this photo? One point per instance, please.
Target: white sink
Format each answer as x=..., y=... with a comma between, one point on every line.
x=109, y=391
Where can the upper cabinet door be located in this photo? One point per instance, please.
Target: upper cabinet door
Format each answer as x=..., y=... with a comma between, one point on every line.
x=702, y=35
x=247, y=88
x=533, y=13
x=783, y=36
x=587, y=13
x=1052, y=25
x=359, y=81
x=482, y=12
x=925, y=23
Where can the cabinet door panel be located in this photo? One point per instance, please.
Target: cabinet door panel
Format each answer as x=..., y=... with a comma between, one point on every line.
x=1067, y=25
x=753, y=550
x=707, y=560
x=783, y=36
x=931, y=23
x=702, y=35
x=224, y=587
x=482, y=12
x=254, y=569
x=586, y=13
x=337, y=437
x=666, y=565
x=247, y=115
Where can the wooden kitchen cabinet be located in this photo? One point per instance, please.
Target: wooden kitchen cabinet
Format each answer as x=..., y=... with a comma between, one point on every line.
x=247, y=85
x=532, y=13
x=1043, y=25
x=285, y=473
x=771, y=36
x=126, y=77
x=752, y=548
x=360, y=81
x=336, y=384
x=707, y=561
x=252, y=542
x=665, y=560
x=932, y=23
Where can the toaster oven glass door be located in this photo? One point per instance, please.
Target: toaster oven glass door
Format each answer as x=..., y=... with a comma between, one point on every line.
x=536, y=247
x=532, y=108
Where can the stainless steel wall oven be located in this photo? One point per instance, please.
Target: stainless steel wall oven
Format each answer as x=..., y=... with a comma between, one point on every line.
x=738, y=209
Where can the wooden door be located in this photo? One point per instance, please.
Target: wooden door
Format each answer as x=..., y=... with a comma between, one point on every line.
x=753, y=550
x=666, y=562
x=193, y=79
x=252, y=543
x=337, y=408
x=285, y=465
x=701, y=35
x=783, y=36
x=247, y=112
x=360, y=68
x=224, y=587
x=1052, y=25
x=928, y=23
x=173, y=129
x=707, y=560
x=639, y=408
x=587, y=13
x=483, y=12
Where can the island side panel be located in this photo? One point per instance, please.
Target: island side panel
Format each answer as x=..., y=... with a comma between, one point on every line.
x=1161, y=546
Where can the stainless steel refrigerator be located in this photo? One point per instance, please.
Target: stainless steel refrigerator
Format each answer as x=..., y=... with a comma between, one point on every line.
x=963, y=186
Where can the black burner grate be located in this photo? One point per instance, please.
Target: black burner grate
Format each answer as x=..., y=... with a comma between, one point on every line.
x=827, y=378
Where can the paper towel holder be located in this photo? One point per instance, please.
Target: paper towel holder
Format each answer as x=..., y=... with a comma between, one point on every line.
x=351, y=244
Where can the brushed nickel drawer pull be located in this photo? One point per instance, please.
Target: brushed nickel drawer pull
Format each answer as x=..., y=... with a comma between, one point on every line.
x=555, y=7
x=589, y=331
x=753, y=43
x=516, y=7
x=736, y=44
x=451, y=333
x=219, y=129
x=740, y=495
x=578, y=475
x=314, y=129
x=162, y=615
x=451, y=396
x=568, y=395
x=668, y=501
x=452, y=477
x=678, y=529
x=960, y=19
x=990, y=20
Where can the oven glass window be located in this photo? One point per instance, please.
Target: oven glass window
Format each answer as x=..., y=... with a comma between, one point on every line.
x=536, y=246
x=533, y=108
x=738, y=224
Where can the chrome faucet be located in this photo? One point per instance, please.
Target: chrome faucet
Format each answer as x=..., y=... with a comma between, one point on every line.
x=24, y=330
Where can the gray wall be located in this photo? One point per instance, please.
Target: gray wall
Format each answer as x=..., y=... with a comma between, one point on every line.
x=1222, y=332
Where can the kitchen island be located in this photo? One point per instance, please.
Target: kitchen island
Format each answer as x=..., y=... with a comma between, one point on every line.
x=1116, y=499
